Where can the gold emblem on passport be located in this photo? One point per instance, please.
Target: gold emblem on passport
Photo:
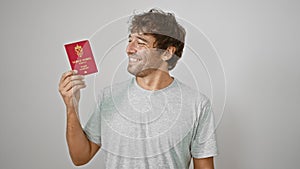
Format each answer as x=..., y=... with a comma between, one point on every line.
x=79, y=50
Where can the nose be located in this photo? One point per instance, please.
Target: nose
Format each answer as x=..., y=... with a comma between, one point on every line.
x=131, y=48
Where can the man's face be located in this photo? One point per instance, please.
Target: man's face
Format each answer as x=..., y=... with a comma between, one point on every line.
x=143, y=56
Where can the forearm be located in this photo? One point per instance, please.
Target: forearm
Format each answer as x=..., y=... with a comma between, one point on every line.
x=79, y=145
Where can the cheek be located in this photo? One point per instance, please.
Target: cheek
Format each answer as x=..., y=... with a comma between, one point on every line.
x=149, y=56
x=143, y=54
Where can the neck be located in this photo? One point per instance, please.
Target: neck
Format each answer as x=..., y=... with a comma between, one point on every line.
x=156, y=80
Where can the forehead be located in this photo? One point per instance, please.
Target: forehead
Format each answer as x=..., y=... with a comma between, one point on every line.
x=142, y=36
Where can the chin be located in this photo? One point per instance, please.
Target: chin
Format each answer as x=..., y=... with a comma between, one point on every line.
x=131, y=71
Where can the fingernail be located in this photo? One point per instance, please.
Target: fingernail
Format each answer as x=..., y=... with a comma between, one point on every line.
x=75, y=71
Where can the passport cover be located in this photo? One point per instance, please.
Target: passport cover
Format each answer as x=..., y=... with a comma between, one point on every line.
x=81, y=57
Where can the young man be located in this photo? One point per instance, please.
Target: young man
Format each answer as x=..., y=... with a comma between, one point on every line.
x=152, y=120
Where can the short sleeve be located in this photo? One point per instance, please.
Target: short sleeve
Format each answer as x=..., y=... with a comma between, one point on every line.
x=92, y=128
x=204, y=140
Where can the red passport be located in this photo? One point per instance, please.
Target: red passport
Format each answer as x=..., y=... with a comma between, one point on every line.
x=81, y=57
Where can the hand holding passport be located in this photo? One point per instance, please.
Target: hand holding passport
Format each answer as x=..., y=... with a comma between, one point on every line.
x=81, y=57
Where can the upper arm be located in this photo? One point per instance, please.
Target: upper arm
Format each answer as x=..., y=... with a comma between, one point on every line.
x=203, y=163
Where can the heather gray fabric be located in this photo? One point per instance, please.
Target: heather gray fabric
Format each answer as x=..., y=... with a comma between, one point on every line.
x=138, y=128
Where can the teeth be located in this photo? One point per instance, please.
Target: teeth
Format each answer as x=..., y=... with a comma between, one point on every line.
x=133, y=60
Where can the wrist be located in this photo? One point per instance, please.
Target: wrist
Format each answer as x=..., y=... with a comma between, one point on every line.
x=71, y=110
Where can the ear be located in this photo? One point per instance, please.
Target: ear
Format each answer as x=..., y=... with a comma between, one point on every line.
x=168, y=53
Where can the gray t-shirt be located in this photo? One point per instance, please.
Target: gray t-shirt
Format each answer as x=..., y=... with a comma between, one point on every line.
x=161, y=129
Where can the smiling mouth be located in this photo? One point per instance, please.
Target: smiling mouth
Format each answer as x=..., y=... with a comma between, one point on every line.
x=134, y=60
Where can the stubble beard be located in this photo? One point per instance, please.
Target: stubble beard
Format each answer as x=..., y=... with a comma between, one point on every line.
x=147, y=65
x=142, y=69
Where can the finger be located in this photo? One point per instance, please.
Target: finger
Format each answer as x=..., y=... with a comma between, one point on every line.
x=64, y=76
x=73, y=90
x=72, y=78
x=77, y=88
x=73, y=84
x=77, y=77
x=67, y=74
x=65, y=90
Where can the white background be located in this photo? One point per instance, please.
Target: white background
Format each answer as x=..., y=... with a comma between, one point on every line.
x=258, y=43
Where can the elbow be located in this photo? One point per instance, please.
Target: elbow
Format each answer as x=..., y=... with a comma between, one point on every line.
x=78, y=163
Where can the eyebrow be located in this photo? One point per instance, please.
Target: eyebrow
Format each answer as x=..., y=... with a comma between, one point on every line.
x=139, y=37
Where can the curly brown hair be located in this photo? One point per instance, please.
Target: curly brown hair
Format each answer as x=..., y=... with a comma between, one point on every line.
x=164, y=28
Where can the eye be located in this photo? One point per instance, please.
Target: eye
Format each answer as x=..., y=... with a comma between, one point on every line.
x=140, y=43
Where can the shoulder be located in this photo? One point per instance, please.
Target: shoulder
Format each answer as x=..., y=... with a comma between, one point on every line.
x=190, y=93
